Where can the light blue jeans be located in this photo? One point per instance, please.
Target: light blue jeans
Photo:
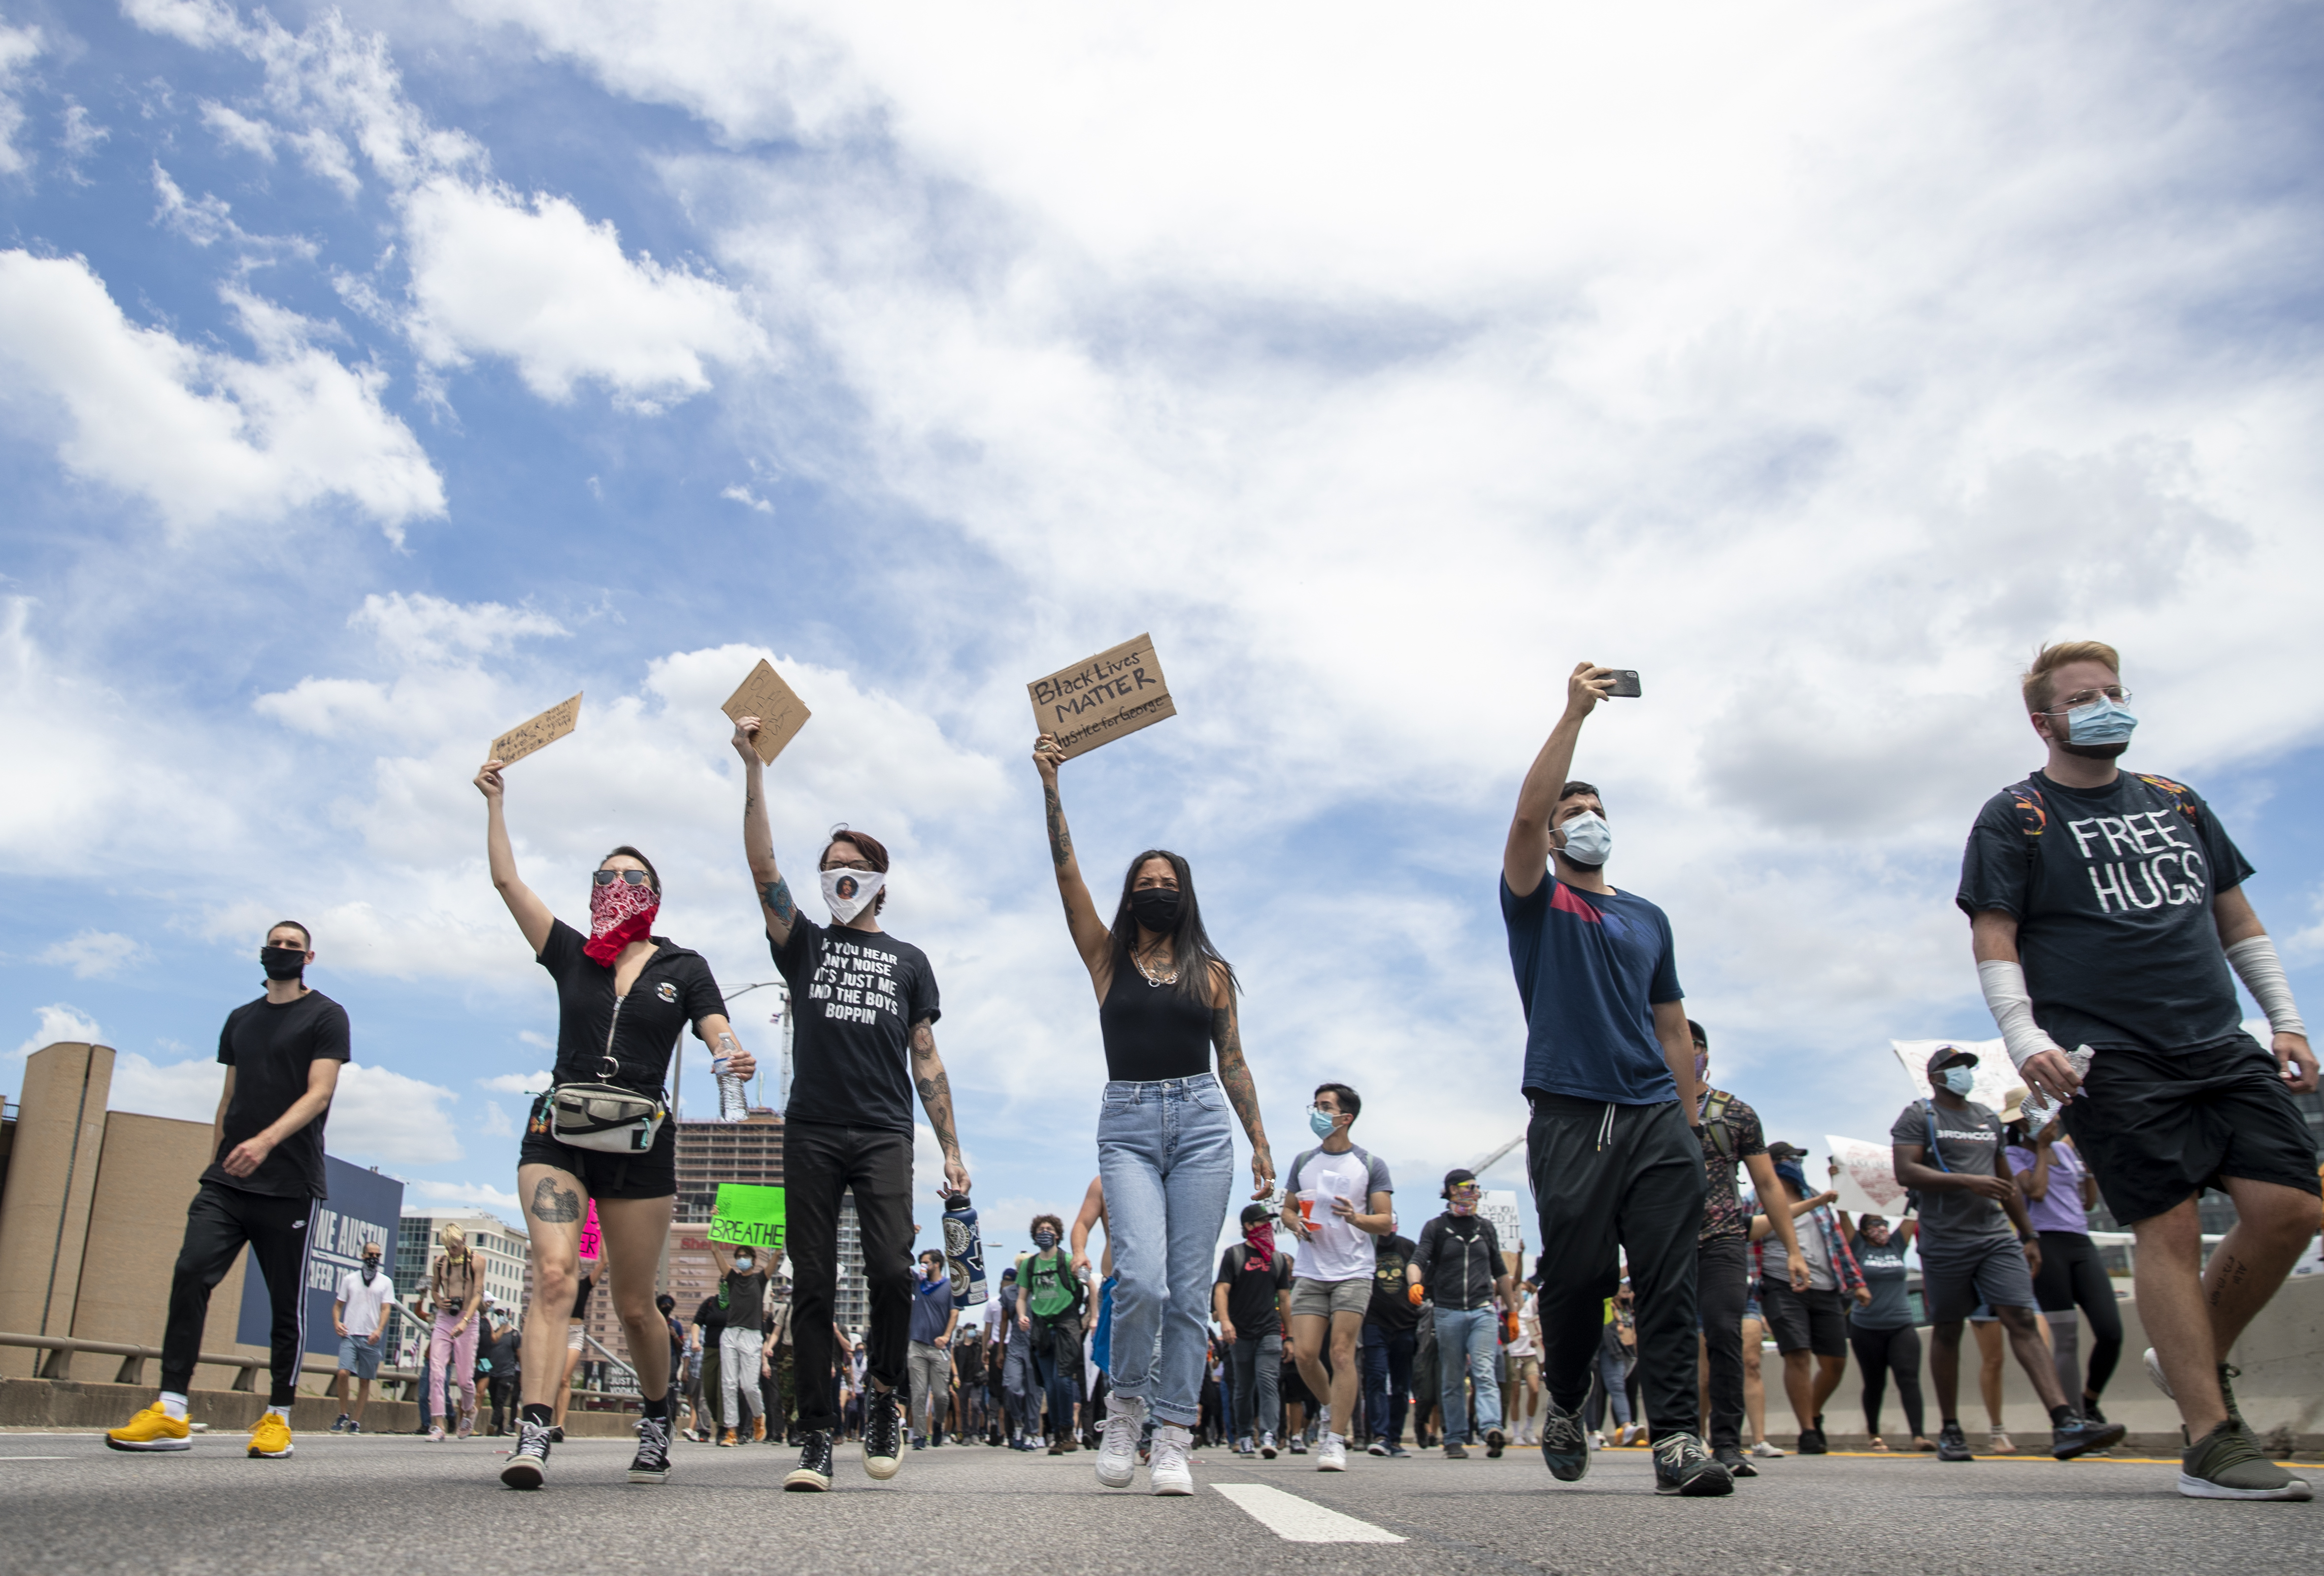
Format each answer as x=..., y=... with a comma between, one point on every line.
x=1166, y=1151
x=1477, y=1332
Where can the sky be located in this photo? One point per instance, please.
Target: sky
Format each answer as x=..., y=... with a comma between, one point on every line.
x=374, y=377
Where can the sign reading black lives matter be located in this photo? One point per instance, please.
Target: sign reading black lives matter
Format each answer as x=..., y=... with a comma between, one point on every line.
x=543, y=730
x=1097, y=702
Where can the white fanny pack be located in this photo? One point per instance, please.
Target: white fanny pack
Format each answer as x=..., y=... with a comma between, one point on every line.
x=606, y=1116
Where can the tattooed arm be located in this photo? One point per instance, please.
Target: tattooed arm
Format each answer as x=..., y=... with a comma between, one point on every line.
x=1234, y=1076
x=758, y=844
x=1091, y=937
x=936, y=1096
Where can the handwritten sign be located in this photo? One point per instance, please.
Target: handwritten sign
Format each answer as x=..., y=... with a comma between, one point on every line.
x=1499, y=1205
x=1113, y=694
x=749, y=1215
x=591, y=1239
x=781, y=712
x=1867, y=1183
x=1998, y=1082
x=543, y=730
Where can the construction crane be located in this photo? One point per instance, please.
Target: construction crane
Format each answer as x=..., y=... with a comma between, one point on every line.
x=1492, y=1156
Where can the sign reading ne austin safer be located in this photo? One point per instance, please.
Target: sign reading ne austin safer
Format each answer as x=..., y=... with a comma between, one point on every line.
x=1113, y=694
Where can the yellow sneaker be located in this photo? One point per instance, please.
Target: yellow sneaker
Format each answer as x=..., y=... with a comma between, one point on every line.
x=271, y=1437
x=152, y=1429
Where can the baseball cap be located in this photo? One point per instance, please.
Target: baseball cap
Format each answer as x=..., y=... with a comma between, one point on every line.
x=1456, y=1177
x=1945, y=1057
x=1781, y=1152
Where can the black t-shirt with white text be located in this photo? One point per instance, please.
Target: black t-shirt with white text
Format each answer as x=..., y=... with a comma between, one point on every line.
x=2112, y=889
x=855, y=995
x=271, y=1049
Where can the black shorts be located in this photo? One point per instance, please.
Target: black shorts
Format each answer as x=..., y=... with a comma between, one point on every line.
x=1810, y=1320
x=603, y=1174
x=1291, y=1390
x=2156, y=1127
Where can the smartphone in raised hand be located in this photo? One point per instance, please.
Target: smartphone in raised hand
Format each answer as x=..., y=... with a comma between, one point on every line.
x=1626, y=684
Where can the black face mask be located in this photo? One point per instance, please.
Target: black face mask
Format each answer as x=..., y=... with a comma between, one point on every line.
x=1154, y=908
x=283, y=962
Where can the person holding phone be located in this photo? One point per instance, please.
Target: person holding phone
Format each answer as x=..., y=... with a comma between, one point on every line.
x=624, y=995
x=1166, y=1150
x=1611, y=1147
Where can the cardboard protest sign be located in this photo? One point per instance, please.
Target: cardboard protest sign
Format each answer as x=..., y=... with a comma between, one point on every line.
x=781, y=712
x=591, y=1239
x=543, y=730
x=1093, y=702
x=1867, y=1183
x=1998, y=1080
x=1499, y=1205
x=748, y=1216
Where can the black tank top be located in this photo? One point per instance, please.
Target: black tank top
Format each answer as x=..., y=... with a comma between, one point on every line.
x=1152, y=1032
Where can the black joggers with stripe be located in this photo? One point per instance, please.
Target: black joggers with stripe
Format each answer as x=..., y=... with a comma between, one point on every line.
x=1608, y=1179
x=219, y=1222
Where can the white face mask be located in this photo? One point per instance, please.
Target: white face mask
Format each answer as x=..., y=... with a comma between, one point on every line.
x=848, y=892
x=1588, y=840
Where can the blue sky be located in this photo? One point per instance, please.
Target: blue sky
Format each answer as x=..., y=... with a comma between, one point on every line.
x=372, y=377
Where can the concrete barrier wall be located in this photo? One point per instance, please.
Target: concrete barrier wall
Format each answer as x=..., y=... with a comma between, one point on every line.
x=51, y=1180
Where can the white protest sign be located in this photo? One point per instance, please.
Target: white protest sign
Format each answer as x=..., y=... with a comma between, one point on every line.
x=1499, y=1205
x=1998, y=1082
x=1867, y=1183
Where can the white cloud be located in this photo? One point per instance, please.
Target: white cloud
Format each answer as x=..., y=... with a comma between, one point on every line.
x=237, y=130
x=59, y=1023
x=18, y=45
x=80, y=137
x=187, y=1090
x=497, y=1123
x=518, y=1082
x=480, y=1195
x=95, y=954
x=740, y=494
x=201, y=435
x=538, y=1042
x=203, y=23
x=385, y=1117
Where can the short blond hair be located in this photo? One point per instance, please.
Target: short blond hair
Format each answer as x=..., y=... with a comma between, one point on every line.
x=2050, y=658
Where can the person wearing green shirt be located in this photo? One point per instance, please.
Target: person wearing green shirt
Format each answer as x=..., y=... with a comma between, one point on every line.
x=1048, y=1311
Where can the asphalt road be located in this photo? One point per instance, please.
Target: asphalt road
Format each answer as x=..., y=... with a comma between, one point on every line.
x=369, y=1504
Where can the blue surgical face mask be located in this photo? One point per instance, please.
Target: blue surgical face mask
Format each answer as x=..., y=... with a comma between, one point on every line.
x=2105, y=721
x=1320, y=1122
x=1960, y=1080
x=1588, y=840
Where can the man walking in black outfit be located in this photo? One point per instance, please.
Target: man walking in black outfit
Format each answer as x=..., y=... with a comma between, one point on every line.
x=282, y=1054
x=1609, y=1069
x=864, y=1003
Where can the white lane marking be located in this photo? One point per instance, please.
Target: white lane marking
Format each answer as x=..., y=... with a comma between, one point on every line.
x=36, y=1458
x=1301, y=1521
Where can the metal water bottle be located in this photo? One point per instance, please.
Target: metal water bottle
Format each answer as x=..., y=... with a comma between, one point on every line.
x=964, y=1252
x=733, y=1095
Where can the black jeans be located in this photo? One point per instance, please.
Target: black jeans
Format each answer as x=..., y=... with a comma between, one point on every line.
x=822, y=1162
x=1878, y=1353
x=218, y=1223
x=1608, y=1178
x=503, y=1392
x=1723, y=1289
x=1386, y=1360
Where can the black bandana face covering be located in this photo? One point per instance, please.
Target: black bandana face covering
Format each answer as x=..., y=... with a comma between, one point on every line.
x=283, y=962
x=1154, y=908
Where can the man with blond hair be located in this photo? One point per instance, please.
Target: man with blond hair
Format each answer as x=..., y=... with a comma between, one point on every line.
x=2106, y=910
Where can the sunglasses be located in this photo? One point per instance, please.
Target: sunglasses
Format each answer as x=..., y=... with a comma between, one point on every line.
x=606, y=878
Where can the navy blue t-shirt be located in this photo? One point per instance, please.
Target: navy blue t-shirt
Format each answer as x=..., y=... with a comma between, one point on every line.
x=1592, y=967
x=931, y=1306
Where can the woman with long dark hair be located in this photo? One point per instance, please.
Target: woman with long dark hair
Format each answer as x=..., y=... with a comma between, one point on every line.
x=1166, y=1151
x=602, y=1132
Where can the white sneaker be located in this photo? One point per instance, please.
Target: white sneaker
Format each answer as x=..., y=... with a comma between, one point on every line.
x=1331, y=1456
x=1597, y=1439
x=1766, y=1449
x=2154, y=1373
x=1170, y=1470
x=1117, y=1454
x=1267, y=1446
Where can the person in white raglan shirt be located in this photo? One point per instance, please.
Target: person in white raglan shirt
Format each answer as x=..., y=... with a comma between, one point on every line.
x=1349, y=1201
x=359, y=1314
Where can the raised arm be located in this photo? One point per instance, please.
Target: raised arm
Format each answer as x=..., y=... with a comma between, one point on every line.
x=1234, y=1077
x=935, y=1097
x=1525, y=859
x=775, y=905
x=531, y=915
x=1091, y=937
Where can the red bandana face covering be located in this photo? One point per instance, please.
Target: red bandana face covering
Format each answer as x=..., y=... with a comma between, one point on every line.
x=1261, y=1235
x=619, y=915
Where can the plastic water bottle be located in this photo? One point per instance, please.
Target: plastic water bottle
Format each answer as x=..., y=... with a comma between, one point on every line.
x=734, y=1096
x=964, y=1252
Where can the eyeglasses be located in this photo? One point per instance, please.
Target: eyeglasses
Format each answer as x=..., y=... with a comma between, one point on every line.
x=606, y=878
x=2082, y=697
x=865, y=865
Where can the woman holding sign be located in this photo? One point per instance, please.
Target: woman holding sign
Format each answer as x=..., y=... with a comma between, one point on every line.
x=602, y=1132
x=1166, y=1150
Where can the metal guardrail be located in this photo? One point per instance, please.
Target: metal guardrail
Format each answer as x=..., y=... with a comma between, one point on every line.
x=58, y=1365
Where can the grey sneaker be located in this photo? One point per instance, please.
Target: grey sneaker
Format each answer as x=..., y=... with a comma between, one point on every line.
x=1682, y=1466
x=1117, y=1455
x=2226, y=1464
x=1564, y=1445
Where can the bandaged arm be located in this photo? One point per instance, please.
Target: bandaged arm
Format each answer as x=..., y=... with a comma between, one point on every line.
x=2256, y=965
x=2013, y=1008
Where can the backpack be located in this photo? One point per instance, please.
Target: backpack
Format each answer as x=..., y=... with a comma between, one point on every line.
x=2033, y=810
x=1714, y=1123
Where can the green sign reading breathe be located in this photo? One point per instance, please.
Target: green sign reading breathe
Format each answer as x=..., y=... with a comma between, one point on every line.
x=749, y=1215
